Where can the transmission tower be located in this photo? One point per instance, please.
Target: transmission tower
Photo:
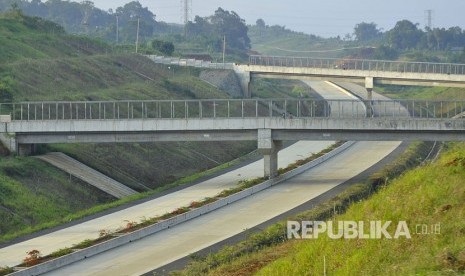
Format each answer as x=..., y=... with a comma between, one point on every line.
x=186, y=10
x=429, y=19
x=186, y=13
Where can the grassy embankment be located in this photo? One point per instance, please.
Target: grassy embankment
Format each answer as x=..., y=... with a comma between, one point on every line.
x=429, y=195
x=277, y=41
x=41, y=62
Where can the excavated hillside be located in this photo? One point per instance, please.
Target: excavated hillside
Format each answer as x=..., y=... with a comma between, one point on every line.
x=41, y=62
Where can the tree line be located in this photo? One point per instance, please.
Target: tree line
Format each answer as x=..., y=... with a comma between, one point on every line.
x=120, y=25
x=407, y=36
x=84, y=18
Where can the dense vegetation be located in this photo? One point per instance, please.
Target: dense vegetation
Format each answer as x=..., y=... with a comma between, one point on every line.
x=405, y=41
x=84, y=18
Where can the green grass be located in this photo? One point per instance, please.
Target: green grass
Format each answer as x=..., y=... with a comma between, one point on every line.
x=430, y=195
x=32, y=194
x=276, y=42
x=272, y=88
x=23, y=37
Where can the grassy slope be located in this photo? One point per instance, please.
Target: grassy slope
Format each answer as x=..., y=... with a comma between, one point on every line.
x=287, y=43
x=33, y=193
x=39, y=64
x=27, y=38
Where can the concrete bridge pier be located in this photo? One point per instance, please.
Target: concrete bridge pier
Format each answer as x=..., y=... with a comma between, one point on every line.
x=269, y=148
x=369, y=84
x=244, y=79
x=9, y=141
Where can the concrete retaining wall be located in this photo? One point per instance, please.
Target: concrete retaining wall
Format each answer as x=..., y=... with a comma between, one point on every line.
x=149, y=230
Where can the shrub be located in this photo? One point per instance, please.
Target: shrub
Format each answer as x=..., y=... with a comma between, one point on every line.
x=33, y=258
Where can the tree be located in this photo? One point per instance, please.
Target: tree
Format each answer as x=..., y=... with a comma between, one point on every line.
x=233, y=27
x=366, y=32
x=210, y=30
x=261, y=23
x=405, y=35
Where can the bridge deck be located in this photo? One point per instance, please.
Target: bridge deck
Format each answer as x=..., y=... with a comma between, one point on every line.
x=220, y=120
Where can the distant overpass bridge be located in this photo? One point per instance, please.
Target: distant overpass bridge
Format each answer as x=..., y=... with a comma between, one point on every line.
x=367, y=72
x=267, y=121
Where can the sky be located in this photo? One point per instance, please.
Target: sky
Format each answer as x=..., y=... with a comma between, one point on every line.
x=326, y=18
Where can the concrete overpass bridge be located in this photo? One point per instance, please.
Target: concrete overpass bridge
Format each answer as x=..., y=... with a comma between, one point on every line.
x=366, y=72
x=269, y=122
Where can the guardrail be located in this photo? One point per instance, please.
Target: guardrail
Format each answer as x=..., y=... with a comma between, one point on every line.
x=359, y=64
x=228, y=108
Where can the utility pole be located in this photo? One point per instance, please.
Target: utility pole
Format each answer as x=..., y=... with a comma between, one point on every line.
x=224, y=48
x=137, y=35
x=117, y=29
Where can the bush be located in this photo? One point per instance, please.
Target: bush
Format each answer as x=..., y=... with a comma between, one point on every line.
x=33, y=258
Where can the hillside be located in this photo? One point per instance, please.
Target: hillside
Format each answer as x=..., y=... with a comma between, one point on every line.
x=44, y=63
x=280, y=41
x=23, y=37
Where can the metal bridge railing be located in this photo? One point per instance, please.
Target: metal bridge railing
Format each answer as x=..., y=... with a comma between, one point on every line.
x=229, y=108
x=190, y=62
x=359, y=64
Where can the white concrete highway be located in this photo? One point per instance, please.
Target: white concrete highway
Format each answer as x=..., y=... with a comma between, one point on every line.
x=169, y=245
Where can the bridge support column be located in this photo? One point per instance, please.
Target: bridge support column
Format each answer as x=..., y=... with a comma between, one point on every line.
x=244, y=79
x=269, y=148
x=369, y=84
x=9, y=141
